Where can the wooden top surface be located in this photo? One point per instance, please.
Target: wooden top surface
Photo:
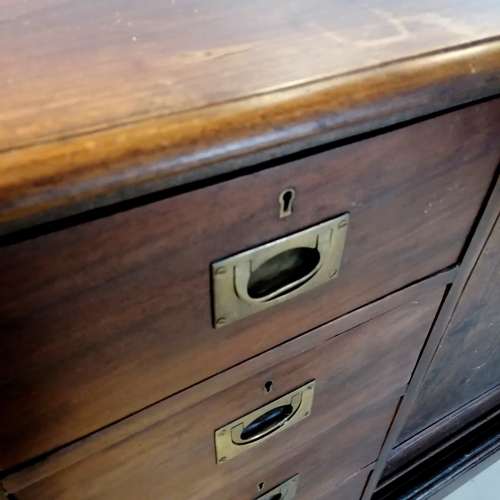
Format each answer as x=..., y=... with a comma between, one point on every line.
x=94, y=94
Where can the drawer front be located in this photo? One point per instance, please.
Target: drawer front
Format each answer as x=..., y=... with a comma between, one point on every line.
x=103, y=319
x=351, y=489
x=359, y=377
x=325, y=461
x=322, y=463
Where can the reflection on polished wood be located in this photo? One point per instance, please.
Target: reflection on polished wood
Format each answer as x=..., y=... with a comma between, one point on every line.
x=95, y=94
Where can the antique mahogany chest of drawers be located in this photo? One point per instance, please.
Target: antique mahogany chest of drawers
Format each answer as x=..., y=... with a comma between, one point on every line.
x=248, y=250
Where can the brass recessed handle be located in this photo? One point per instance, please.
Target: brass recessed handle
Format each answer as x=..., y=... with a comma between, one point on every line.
x=284, y=273
x=259, y=425
x=267, y=423
x=275, y=272
x=285, y=491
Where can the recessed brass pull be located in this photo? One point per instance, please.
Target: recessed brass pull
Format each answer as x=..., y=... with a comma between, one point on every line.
x=270, y=274
x=285, y=491
x=266, y=424
x=244, y=273
x=261, y=424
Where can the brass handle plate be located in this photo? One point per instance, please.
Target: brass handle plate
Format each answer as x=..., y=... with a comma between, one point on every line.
x=285, y=491
x=275, y=272
x=259, y=425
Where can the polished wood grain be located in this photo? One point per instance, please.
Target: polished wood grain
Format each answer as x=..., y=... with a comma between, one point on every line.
x=320, y=462
x=100, y=100
x=360, y=376
x=152, y=58
x=325, y=462
x=467, y=363
x=351, y=489
x=112, y=435
x=105, y=318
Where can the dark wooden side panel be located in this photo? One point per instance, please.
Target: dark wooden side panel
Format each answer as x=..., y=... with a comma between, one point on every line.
x=102, y=319
x=467, y=363
x=360, y=376
x=442, y=430
x=447, y=466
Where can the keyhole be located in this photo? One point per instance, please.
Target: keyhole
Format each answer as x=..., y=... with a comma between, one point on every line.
x=287, y=198
x=260, y=487
x=268, y=386
x=286, y=202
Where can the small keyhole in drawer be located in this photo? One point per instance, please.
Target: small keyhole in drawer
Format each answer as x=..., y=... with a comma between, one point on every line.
x=286, y=202
x=268, y=386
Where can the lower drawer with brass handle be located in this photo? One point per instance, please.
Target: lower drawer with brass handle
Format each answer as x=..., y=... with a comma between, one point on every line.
x=257, y=426
x=327, y=459
x=285, y=491
x=350, y=489
x=318, y=406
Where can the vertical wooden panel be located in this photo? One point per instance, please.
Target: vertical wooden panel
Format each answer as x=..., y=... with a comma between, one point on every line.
x=467, y=363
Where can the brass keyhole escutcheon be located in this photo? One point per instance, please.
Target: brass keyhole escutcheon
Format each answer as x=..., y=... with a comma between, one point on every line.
x=286, y=202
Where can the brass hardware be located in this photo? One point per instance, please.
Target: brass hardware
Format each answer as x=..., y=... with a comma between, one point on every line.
x=285, y=491
x=261, y=424
x=275, y=272
x=286, y=202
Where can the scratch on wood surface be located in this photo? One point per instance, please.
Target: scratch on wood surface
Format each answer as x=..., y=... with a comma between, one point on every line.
x=210, y=54
x=400, y=29
x=478, y=367
x=451, y=25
